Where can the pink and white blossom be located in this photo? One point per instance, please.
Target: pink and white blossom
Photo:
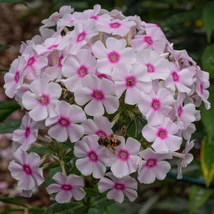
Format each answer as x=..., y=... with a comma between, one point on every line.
x=67, y=187
x=14, y=78
x=153, y=166
x=155, y=106
x=116, y=26
x=133, y=80
x=53, y=19
x=157, y=66
x=91, y=157
x=185, y=113
x=100, y=126
x=153, y=39
x=82, y=34
x=41, y=99
x=77, y=67
x=118, y=187
x=125, y=159
x=25, y=168
x=98, y=95
x=34, y=63
x=185, y=159
x=163, y=136
x=27, y=134
x=113, y=55
x=66, y=122
x=180, y=79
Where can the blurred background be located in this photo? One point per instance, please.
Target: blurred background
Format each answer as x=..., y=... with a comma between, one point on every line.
x=189, y=24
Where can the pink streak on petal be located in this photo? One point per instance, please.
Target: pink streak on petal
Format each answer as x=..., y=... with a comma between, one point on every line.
x=150, y=68
x=148, y=40
x=156, y=104
x=27, y=169
x=114, y=25
x=131, y=81
x=31, y=61
x=123, y=155
x=81, y=37
x=17, y=77
x=64, y=121
x=92, y=156
x=44, y=100
x=66, y=187
x=113, y=57
x=119, y=186
x=98, y=95
x=162, y=133
x=151, y=162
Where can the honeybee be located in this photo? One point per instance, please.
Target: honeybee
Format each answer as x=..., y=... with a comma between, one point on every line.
x=109, y=142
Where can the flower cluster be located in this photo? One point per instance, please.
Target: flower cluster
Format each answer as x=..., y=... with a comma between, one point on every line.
x=84, y=82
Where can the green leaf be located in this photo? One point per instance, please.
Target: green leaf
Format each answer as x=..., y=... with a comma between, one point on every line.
x=6, y=108
x=9, y=126
x=207, y=160
x=207, y=115
x=114, y=208
x=36, y=210
x=3, y=47
x=95, y=211
x=9, y=210
x=198, y=196
x=91, y=192
x=12, y=201
x=102, y=202
x=13, y=2
x=208, y=60
x=208, y=19
x=66, y=208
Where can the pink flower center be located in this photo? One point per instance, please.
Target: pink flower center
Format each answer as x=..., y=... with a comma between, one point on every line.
x=17, y=77
x=150, y=68
x=31, y=61
x=151, y=162
x=82, y=71
x=162, y=133
x=27, y=131
x=114, y=25
x=131, y=81
x=201, y=88
x=94, y=17
x=175, y=76
x=52, y=46
x=101, y=133
x=123, y=155
x=156, y=104
x=44, y=100
x=66, y=187
x=119, y=186
x=92, y=156
x=60, y=61
x=64, y=122
x=102, y=76
x=180, y=111
x=148, y=40
x=113, y=57
x=27, y=169
x=81, y=36
x=98, y=95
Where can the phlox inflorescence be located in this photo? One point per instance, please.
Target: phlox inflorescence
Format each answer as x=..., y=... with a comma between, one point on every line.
x=83, y=85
